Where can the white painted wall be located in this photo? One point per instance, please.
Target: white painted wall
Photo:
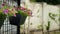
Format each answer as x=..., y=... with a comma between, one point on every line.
x=38, y=20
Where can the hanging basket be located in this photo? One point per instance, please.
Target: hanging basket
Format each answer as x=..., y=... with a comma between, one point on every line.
x=18, y=20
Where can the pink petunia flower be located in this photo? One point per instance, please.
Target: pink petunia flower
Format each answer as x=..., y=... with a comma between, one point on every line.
x=29, y=13
x=14, y=15
x=22, y=8
x=5, y=11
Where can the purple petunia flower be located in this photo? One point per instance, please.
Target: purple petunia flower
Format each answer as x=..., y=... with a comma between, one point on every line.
x=5, y=11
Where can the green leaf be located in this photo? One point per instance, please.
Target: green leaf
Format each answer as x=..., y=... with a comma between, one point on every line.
x=50, y=15
x=48, y=23
x=22, y=13
x=54, y=15
x=48, y=26
x=2, y=16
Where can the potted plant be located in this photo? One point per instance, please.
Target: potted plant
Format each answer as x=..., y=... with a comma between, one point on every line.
x=20, y=16
x=16, y=15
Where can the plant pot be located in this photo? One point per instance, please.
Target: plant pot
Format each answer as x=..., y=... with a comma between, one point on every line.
x=18, y=20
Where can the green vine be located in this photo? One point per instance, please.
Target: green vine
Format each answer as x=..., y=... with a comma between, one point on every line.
x=48, y=25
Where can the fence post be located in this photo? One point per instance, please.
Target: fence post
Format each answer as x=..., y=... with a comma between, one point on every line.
x=18, y=27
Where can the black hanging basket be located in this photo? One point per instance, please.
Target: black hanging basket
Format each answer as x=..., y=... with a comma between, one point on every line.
x=18, y=20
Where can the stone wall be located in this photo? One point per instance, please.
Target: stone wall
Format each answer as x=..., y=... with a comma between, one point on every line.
x=36, y=20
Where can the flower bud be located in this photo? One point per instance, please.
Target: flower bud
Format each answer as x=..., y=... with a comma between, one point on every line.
x=3, y=4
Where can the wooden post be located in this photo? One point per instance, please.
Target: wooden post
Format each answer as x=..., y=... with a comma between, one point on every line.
x=18, y=27
x=18, y=3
